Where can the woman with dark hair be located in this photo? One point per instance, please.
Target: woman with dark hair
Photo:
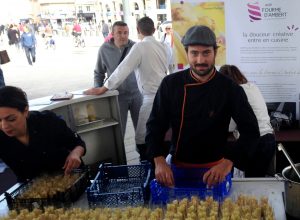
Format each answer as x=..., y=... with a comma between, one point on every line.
x=266, y=147
x=32, y=142
x=13, y=35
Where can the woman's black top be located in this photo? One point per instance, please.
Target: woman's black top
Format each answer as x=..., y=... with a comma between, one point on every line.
x=50, y=142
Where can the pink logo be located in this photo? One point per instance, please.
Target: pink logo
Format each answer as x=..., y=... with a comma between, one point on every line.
x=254, y=11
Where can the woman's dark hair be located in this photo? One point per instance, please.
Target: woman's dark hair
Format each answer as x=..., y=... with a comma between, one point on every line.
x=13, y=97
x=146, y=26
x=234, y=73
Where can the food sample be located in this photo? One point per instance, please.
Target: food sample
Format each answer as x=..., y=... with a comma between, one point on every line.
x=47, y=186
x=245, y=207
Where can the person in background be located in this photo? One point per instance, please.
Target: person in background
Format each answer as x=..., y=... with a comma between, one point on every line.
x=198, y=103
x=157, y=29
x=108, y=37
x=77, y=33
x=77, y=29
x=48, y=30
x=148, y=58
x=2, y=28
x=33, y=143
x=30, y=26
x=168, y=39
x=13, y=35
x=105, y=29
x=110, y=55
x=21, y=27
x=2, y=82
x=28, y=42
x=266, y=147
x=67, y=29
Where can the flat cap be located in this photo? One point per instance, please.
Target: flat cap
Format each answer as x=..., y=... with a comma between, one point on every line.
x=199, y=35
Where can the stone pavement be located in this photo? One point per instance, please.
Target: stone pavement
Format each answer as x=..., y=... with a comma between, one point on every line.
x=66, y=68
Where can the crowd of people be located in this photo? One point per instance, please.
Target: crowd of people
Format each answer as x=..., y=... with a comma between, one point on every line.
x=24, y=37
x=195, y=104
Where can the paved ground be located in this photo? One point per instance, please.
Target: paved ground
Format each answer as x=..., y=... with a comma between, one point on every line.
x=67, y=68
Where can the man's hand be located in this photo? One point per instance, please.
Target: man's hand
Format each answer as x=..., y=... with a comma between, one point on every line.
x=217, y=173
x=95, y=91
x=163, y=172
x=73, y=160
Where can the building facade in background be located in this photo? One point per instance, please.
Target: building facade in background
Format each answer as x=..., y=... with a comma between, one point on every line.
x=61, y=12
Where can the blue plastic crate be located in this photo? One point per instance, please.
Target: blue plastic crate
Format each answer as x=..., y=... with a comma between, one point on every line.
x=121, y=185
x=188, y=183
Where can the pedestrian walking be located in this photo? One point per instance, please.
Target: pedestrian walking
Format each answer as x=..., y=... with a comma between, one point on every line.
x=13, y=35
x=105, y=29
x=28, y=42
x=2, y=28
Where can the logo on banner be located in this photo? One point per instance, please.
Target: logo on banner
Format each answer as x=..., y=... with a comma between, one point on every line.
x=266, y=12
x=254, y=11
x=293, y=28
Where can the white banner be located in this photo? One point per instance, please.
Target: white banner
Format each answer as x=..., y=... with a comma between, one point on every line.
x=261, y=37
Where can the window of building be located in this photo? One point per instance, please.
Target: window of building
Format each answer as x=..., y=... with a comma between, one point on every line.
x=88, y=8
x=80, y=9
x=137, y=17
x=107, y=8
x=121, y=7
x=114, y=4
x=136, y=6
x=161, y=4
x=161, y=17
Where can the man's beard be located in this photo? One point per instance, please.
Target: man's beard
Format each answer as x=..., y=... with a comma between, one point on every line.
x=203, y=72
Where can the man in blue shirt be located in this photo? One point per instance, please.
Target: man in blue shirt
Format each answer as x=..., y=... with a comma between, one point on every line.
x=28, y=42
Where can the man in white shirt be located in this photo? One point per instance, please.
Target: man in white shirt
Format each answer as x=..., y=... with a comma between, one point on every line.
x=148, y=59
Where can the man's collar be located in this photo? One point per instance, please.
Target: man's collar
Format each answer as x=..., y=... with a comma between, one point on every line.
x=210, y=76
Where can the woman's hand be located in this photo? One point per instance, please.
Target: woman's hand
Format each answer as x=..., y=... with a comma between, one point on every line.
x=217, y=173
x=73, y=160
x=95, y=91
x=163, y=172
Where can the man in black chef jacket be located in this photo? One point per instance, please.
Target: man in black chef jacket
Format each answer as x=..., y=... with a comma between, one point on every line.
x=198, y=103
